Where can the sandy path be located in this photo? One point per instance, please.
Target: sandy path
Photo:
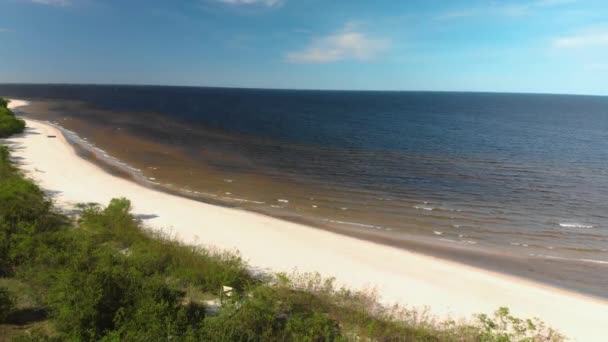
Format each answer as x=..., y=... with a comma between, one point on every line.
x=398, y=275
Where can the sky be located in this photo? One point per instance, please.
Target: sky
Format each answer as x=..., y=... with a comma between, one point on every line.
x=540, y=46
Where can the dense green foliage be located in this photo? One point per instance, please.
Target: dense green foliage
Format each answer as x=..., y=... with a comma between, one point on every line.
x=9, y=124
x=6, y=303
x=100, y=276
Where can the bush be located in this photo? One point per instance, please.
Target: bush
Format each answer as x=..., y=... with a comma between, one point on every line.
x=6, y=303
x=24, y=213
x=271, y=315
x=9, y=124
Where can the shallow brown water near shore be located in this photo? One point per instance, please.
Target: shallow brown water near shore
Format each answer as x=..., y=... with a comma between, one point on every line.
x=242, y=171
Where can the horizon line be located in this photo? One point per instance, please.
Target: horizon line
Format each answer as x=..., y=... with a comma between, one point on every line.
x=298, y=89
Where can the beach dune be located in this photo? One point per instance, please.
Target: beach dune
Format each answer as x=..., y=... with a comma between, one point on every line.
x=268, y=243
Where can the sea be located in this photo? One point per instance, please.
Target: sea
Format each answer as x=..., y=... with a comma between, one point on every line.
x=513, y=183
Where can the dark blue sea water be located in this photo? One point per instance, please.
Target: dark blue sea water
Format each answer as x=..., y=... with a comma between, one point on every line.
x=521, y=174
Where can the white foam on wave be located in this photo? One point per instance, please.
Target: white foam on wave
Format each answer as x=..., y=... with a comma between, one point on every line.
x=593, y=261
x=470, y=242
x=422, y=207
x=282, y=200
x=575, y=225
x=519, y=244
x=100, y=153
x=356, y=224
x=243, y=200
x=436, y=232
x=449, y=209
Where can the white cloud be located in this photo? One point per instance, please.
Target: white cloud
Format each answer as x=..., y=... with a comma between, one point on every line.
x=51, y=2
x=343, y=45
x=268, y=3
x=582, y=40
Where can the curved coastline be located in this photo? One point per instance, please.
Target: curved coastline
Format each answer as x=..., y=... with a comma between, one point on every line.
x=399, y=276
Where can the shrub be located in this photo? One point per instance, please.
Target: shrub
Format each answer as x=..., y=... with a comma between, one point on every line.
x=24, y=213
x=270, y=315
x=9, y=124
x=6, y=303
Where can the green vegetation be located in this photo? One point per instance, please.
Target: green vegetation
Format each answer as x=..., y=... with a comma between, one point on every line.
x=6, y=303
x=9, y=124
x=99, y=276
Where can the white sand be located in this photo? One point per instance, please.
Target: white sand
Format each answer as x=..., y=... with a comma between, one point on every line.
x=398, y=275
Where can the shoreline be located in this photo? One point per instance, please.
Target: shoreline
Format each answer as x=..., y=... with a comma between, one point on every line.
x=449, y=288
x=230, y=170
x=538, y=263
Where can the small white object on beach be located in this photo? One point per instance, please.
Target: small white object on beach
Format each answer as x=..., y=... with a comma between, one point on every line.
x=314, y=206
x=228, y=193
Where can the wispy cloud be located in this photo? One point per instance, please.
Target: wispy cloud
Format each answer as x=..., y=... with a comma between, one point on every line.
x=4, y=30
x=51, y=2
x=582, y=40
x=267, y=3
x=511, y=10
x=346, y=44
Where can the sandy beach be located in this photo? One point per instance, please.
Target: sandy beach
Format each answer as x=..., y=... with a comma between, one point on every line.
x=268, y=243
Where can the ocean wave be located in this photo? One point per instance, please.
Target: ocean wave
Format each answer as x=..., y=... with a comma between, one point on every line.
x=575, y=225
x=470, y=242
x=593, y=261
x=242, y=200
x=427, y=206
x=74, y=138
x=356, y=224
x=423, y=207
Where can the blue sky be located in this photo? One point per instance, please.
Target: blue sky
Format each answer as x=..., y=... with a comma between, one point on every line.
x=548, y=46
